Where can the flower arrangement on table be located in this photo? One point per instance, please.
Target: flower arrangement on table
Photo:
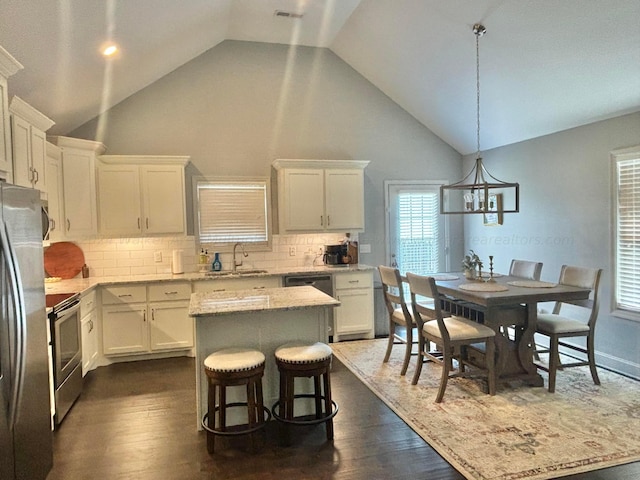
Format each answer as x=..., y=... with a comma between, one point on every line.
x=470, y=263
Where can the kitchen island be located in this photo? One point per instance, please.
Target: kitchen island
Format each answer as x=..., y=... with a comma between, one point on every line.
x=260, y=319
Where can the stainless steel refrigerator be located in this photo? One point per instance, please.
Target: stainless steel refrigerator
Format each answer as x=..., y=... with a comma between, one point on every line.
x=26, y=441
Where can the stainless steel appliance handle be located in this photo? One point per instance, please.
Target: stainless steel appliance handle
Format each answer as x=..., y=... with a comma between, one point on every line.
x=18, y=296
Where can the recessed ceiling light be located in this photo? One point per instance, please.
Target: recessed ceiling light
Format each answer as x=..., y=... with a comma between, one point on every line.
x=109, y=50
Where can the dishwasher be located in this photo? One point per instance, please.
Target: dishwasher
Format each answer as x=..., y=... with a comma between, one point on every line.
x=322, y=282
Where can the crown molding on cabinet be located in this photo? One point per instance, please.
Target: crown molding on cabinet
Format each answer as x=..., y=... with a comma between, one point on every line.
x=68, y=142
x=145, y=159
x=8, y=65
x=27, y=112
x=280, y=163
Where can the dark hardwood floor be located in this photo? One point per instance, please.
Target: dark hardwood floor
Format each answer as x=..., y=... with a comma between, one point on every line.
x=137, y=421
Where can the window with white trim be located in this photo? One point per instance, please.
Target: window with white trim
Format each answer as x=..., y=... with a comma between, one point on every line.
x=232, y=210
x=626, y=175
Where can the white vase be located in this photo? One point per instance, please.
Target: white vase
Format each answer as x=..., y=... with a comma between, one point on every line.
x=470, y=274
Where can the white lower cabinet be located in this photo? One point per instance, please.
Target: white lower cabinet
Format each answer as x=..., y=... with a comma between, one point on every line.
x=89, y=327
x=152, y=318
x=354, y=317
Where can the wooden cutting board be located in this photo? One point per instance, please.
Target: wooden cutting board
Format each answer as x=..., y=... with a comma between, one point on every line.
x=63, y=259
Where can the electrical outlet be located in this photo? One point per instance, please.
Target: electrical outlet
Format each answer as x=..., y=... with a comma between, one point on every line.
x=292, y=251
x=365, y=248
x=157, y=257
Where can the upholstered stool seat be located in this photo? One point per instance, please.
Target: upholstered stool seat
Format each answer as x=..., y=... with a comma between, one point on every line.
x=227, y=368
x=305, y=360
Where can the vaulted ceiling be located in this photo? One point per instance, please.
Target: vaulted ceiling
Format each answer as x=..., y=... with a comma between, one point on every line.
x=545, y=65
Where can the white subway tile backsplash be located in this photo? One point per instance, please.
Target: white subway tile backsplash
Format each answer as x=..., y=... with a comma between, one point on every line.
x=136, y=256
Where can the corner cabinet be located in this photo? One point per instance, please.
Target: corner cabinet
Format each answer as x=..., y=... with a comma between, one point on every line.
x=28, y=140
x=354, y=317
x=79, y=183
x=8, y=67
x=141, y=195
x=320, y=195
x=55, y=192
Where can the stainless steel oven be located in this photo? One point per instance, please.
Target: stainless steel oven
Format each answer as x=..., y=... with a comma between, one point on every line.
x=66, y=343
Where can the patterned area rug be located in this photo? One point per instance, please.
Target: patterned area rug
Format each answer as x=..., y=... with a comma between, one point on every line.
x=520, y=433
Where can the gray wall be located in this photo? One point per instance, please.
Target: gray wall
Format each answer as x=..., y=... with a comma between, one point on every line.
x=240, y=105
x=565, y=217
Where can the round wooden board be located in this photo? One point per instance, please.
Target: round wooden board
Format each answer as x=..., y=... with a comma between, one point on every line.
x=63, y=259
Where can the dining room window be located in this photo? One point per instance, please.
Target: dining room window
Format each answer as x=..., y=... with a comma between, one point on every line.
x=626, y=175
x=415, y=228
x=232, y=210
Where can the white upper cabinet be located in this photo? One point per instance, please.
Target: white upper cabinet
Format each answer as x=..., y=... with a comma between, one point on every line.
x=55, y=191
x=28, y=140
x=141, y=195
x=320, y=195
x=79, y=181
x=8, y=66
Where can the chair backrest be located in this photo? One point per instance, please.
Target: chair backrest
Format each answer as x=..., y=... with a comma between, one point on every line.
x=525, y=269
x=425, y=302
x=393, y=290
x=582, y=277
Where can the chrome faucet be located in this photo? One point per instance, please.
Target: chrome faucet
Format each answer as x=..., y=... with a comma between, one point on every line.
x=244, y=254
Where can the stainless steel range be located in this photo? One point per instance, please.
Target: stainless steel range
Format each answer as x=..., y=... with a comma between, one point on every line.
x=66, y=351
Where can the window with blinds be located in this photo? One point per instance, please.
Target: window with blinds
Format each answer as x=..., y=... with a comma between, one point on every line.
x=418, y=232
x=627, y=230
x=232, y=211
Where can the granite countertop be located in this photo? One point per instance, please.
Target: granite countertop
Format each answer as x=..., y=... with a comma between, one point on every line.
x=268, y=299
x=83, y=285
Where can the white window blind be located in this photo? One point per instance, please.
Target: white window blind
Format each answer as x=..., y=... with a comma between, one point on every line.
x=627, y=231
x=232, y=211
x=418, y=230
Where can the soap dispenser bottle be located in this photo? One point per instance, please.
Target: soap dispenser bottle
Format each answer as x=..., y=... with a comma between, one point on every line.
x=216, y=266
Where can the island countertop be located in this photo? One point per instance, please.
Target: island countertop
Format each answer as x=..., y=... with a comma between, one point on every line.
x=267, y=299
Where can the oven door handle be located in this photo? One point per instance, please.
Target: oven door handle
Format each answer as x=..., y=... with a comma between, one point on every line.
x=9, y=257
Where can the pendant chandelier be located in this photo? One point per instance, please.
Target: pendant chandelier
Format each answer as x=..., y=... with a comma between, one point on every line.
x=481, y=196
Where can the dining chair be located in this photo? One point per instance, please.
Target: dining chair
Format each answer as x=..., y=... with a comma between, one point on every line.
x=401, y=322
x=453, y=335
x=525, y=269
x=557, y=325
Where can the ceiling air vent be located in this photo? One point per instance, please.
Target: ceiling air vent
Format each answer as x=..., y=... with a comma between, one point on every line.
x=282, y=13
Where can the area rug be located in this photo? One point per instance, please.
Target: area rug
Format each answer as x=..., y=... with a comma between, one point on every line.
x=520, y=433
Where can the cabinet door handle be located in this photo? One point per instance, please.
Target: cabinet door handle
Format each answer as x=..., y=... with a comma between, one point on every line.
x=153, y=314
x=354, y=281
x=321, y=221
x=147, y=223
x=124, y=295
x=328, y=220
x=138, y=223
x=37, y=176
x=31, y=175
x=171, y=293
x=52, y=224
x=68, y=224
x=144, y=315
x=219, y=290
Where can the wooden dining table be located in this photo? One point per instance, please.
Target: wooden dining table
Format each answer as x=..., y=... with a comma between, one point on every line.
x=509, y=305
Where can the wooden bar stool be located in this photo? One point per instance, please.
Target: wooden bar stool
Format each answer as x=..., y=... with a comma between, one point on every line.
x=232, y=367
x=305, y=360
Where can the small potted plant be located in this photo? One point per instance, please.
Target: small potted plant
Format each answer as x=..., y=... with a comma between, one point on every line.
x=470, y=263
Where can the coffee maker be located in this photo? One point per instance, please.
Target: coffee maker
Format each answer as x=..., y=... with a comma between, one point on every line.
x=337, y=255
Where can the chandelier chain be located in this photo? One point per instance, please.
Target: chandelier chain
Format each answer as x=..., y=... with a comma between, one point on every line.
x=478, y=35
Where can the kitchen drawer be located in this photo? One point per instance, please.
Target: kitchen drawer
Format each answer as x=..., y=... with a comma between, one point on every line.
x=159, y=292
x=232, y=284
x=353, y=280
x=87, y=303
x=124, y=294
